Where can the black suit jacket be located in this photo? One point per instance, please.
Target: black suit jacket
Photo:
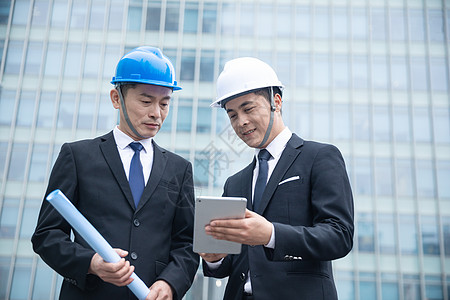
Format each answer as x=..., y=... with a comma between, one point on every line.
x=309, y=201
x=157, y=235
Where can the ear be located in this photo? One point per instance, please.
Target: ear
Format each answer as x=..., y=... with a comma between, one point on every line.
x=115, y=99
x=278, y=102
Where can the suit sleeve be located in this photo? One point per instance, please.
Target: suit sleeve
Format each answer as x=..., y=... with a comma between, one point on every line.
x=331, y=234
x=51, y=239
x=183, y=264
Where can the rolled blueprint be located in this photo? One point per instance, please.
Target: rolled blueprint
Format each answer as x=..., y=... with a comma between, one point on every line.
x=92, y=237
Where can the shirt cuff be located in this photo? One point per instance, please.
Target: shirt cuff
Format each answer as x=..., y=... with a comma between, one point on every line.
x=271, y=243
x=214, y=265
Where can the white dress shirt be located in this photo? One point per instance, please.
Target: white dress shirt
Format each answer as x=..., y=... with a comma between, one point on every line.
x=126, y=153
x=275, y=148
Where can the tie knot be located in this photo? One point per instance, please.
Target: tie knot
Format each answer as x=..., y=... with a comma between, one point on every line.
x=264, y=155
x=136, y=146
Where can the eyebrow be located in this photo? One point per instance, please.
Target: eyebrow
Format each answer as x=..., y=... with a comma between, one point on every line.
x=153, y=97
x=245, y=103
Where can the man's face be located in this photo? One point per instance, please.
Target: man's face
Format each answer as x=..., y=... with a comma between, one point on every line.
x=147, y=107
x=249, y=116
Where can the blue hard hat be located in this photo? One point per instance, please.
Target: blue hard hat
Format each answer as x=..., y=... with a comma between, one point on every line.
x=146, y=65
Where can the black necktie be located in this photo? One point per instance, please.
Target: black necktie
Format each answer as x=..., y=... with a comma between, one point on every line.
x=136, y=179
x=263, y=157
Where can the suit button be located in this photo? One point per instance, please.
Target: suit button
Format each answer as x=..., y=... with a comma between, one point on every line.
x=136, y=222
x=242, y=276
x=133, y=255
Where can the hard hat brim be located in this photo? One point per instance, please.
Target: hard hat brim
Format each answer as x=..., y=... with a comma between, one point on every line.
x=224, y=99
x=152, y=82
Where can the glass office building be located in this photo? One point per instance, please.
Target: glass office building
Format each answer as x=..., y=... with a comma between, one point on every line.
x=370, y=76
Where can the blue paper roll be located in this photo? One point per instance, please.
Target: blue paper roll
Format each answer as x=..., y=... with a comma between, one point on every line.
x=80, y=224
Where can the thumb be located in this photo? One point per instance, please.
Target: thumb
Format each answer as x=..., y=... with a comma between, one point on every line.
x=122, y=253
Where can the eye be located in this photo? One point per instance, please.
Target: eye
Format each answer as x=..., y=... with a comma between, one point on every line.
x=249, y=109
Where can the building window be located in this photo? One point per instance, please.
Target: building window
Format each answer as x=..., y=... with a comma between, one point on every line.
x=86, y=111
x=203, y=119
x=59, y=14
x=7, y=101
x=13, y=58
x=153, y=16
x=72, y=65
x=53, y=60
x=38, y=164
x=79, y=14
x=247, y=20
x=425, y=179
x=302, y=22
x=361, y=120
x=397, y=24
x=134, y=16
x=8, y=219
x=365, y=232
x=381, y=124
x=97, y=17
x=436, y=25
x=419, y=79
x=404, y=178
x=25, y=114
x=190, y=17
x=66, y=110
x=40, y=13
x=184, y=118
x=20, y=13
x=416, y=25
x=378, y=24
x=386, y=233
x=383, y=177
x=172, y=16
x=187, y=65
x=209, y=22
x=363, y=176
x=17, y=164
x=401, y=124
x=443, y=176
x=46, y=111
x=207, y=66
x=340, y=23
x=407, y=234
x=438, y=72
x=430, y=235
x=367, y=286
x=360, y=72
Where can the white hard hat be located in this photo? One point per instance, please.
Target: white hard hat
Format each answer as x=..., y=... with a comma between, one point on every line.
x=242, y=75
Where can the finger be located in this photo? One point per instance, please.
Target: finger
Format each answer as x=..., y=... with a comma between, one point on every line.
x=122, y=253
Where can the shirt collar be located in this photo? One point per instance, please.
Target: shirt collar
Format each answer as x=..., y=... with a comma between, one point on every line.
x=123, y=140
x=278, y=144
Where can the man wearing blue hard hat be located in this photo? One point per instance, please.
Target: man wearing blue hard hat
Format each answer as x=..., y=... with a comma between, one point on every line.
x=138, y=195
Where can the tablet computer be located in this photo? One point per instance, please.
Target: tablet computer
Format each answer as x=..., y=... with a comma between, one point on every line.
x=213, y=208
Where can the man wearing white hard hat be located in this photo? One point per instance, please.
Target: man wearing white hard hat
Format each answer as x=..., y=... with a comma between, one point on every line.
x=300, y=206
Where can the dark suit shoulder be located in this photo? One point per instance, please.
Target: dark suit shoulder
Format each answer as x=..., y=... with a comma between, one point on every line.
x=87, y=142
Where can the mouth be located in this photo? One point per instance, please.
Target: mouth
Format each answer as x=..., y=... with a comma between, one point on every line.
x=249, y=132
x=152, y=125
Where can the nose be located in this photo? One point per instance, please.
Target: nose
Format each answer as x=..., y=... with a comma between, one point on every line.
x=242, y=121
x=154, y=112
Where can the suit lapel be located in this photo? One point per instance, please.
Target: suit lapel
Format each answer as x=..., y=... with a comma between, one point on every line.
x=290, y=153
x=158, y=167
x=112, y=157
